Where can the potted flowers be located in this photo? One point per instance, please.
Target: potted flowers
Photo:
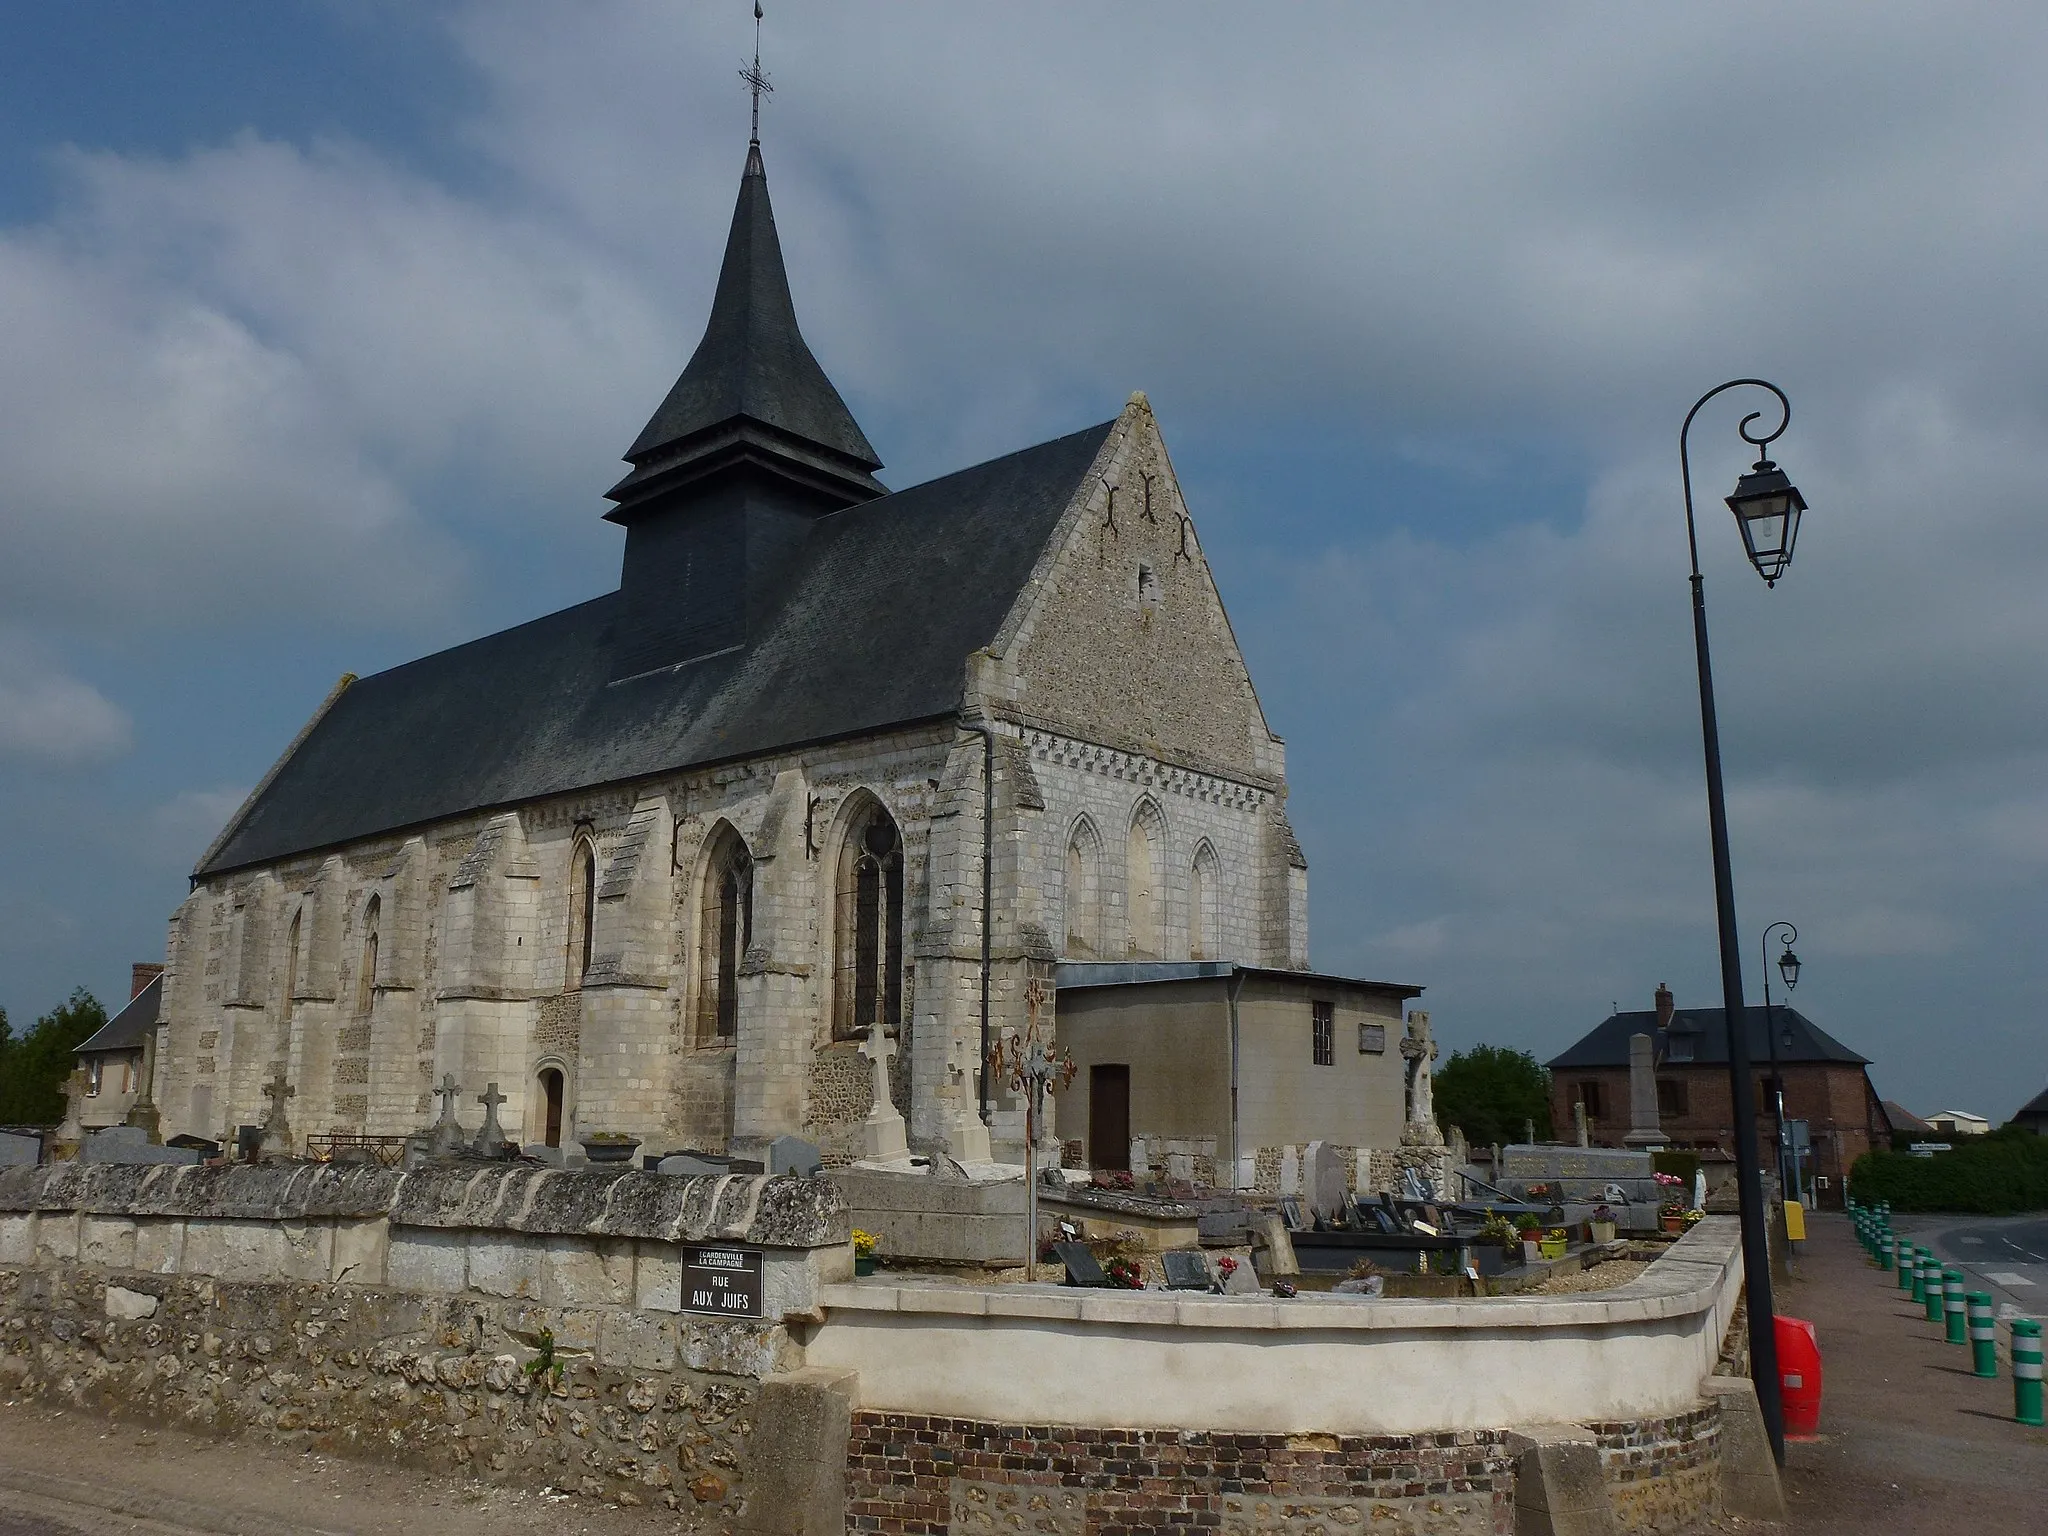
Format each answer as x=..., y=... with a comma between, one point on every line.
x=863, y=1252
x=1496, y=1245
x=610, y=1146
x=1531, y=1231
x=1603, y=1224
x=1553, y=1243
x=1673, y=1214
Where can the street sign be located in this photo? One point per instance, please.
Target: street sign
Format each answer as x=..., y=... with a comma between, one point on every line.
x=722, y=1281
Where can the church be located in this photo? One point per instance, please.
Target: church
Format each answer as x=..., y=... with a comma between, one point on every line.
x=832, y=761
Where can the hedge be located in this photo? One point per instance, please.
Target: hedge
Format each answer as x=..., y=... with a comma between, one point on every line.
x=1987, y=1175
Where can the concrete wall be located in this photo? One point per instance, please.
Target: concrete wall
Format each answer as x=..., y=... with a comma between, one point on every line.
x=1283, y=1096
x=1174, y=1036
x=1313, y=1364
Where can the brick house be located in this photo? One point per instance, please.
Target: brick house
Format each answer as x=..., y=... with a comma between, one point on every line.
x=1826, y=1084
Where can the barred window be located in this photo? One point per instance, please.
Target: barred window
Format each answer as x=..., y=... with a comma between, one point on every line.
x=1323, y=1024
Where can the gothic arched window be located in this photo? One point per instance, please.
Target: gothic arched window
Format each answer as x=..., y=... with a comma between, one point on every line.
x=366, y=975
x=1205, y=906
x=725, y=929
x=1144, y=862
x=582, y=907
x=1083, y=893
x=291, y=969
x=868, y=947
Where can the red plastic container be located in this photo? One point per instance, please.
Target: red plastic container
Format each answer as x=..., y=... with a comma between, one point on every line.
x=1798, y=1377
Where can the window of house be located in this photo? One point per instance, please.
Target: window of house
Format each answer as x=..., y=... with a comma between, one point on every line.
x=93, y=1071
x=1678, y=1047
x=1670, y=1095
x=1323, y=1029
x=869, y=926
x=727, y=928
x=1589, y=1095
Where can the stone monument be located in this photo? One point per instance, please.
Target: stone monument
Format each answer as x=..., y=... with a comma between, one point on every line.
x=446, y=1138
x=967, y=1139
x=490, y=1140
x=1418, y=1048
x=1579, y=1122
x=70, y=1132
x=277, y=1128
x=1643, y=1130
x=1323, y=1174
x=882, y=1134
x=142, y=1114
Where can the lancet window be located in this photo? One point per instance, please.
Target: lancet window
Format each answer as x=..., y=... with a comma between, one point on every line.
x=1144, y=859
x=1205, y=902
x=725, y=929
x=582, y=907
x=1083, y=894
x=868, y=944
x=366, y=973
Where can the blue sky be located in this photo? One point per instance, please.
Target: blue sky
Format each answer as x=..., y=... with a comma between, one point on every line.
x=329, y=322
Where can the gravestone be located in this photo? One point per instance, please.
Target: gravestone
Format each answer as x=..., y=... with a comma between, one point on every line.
x=1290, y=1212
x=1579, y=1123
x=1243, y=1280
x=277, y=1128
x=1187, y=1271
x=131, y=1144
x=883, y=1132
x=447, y=1137
x=490, y=1140
x=1082, y=1267
x=19, y=1151
x=792, y=1154
x=691, y=1165
x=1643, y=1129
x=1328, y=1187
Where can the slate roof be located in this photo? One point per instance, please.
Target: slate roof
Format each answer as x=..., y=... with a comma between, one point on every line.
x=125, y=1030
x=1903, y=1119
x=1075, y=975
x=2034, y=1108
x=1606, y=1045
x=887, y=600
x=752, y=364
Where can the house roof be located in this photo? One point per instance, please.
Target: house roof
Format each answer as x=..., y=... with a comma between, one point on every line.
x=1904, y=1120
x=1606, y=1044
x=1076, y=975
x=2036, y=1106
x=885, y=603
x=125, y=1030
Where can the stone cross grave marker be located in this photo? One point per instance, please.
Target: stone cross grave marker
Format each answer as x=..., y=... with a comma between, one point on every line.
x=1579, y=1122
x=76, y=1086
x=447, y=1136
x=491, y=1139
x=882, y=1132
x=277, y=1129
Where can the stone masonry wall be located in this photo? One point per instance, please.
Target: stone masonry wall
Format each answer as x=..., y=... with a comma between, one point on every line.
x=1661, y=1473
x=432, y=1381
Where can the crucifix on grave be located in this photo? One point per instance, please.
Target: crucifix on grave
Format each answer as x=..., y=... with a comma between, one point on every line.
x=277, y=1129
x=446, y=1136
x=70, y=1132
x=1033, y=1064
x=882, y=1133
x=491, y=1139
x=967, y=1139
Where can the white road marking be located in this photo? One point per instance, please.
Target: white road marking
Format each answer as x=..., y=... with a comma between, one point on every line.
x=2007, y=1277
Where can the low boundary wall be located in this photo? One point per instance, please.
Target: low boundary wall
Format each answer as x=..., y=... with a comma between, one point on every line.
x=526, y=1325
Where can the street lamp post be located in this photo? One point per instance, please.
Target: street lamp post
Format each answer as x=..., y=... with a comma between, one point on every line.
x=1788, y=967
x=1766, y=507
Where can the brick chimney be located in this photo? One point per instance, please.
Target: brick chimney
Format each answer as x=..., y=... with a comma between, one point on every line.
x=1664, y=1006
x=140, y=975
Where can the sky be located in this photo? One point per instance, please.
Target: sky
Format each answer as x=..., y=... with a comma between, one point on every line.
x=326, y=325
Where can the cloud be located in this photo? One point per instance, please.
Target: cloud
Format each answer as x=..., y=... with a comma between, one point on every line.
x=52, y=719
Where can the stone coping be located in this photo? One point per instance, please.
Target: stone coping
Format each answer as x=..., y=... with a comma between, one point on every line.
x=1686, y=1280
x=777, y=1212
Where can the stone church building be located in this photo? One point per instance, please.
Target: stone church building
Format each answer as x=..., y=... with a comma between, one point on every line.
x=655, y=864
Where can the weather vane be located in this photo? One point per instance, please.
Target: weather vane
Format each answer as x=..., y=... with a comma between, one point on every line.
x=757, y=78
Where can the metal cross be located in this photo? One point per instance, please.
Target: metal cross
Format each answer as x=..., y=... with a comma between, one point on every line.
x=448, y=1090
x=756, y=77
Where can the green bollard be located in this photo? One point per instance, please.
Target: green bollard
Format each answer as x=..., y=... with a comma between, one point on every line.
x=1933, y=1291
x=1954, y=1308
x=1919, y=1276
x=1983, y=1334
x=1907, y=1256
x=1887, y=1251
x=2026, y=1371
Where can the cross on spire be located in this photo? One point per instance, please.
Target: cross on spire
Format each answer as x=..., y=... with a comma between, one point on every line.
x=756, y=77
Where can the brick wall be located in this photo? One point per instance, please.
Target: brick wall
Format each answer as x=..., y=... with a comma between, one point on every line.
x=1661, y=1473
x=909, y=1475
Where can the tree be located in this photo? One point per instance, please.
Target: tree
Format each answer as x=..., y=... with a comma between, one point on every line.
x=33, y=1068
x=1490, y=1091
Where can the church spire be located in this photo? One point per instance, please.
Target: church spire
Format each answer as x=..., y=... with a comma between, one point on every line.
x=752, y=391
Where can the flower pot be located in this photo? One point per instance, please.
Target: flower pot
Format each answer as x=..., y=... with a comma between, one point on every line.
x=1603, y=1231
x=1532, y=1252
x=863, y=1263
x=610, y=1151
x=1553, y=1247
x=1674, y=1223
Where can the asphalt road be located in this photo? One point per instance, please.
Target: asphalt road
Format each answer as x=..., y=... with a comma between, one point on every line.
x=2005, y=1255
